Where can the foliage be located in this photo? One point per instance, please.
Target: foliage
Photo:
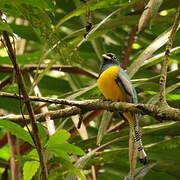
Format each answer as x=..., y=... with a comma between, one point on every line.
x=48, y=32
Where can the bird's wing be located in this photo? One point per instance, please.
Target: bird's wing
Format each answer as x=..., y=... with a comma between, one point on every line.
x=125, y=86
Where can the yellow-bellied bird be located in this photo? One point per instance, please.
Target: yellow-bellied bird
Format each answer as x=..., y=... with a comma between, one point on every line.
x=115, y=85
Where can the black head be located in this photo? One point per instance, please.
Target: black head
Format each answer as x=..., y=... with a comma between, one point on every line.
x=110, y=58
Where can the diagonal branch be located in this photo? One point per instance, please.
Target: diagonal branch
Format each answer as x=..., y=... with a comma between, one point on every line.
x=129, y=47
x=163, y=76
x=27, y=102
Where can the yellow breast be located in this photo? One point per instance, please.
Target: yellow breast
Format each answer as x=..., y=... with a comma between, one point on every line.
x=108, y=85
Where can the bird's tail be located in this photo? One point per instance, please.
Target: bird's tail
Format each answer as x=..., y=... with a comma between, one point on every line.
x=134, y=125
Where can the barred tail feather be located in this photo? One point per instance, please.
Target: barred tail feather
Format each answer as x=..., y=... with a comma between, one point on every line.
x=138, y=140
x=134, y=125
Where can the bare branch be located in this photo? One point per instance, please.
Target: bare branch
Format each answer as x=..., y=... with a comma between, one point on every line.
x=63, y=68
x=20, y=80
x=3, y=140
x=163, y=76
x=5, y=82
x=14, y=151
x=77, y=107
x=129, y=47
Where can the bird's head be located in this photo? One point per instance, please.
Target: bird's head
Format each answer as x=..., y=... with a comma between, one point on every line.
x=110, y=58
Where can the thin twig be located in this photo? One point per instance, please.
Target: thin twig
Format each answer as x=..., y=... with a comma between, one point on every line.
x=14, y=151
x=5, y=82
x=129, y=47
x=97, y=27
x=118, y=126
x=163, y=76
x=22, y=113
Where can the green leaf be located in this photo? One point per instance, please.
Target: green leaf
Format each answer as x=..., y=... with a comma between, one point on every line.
x=147, y=53
x=106, y=118
x=16, y=130
x=5, y=27
x=33, y=155
x=159, y=57
x=73, y=169
x=141, y=172
x=43, y=73
x=97, y=45
x=155, y=98
x=83, y=160
x=4, y=153
x=98, y=26
x=83, y=91
x=29, y=169
x=59, y=153
x=42, y=133
x=51, y=85
x=43, y=4
x=58, y=137
x=173, y=97
x=24, y=32
x=26, y=58
x=69, y=148
x=93, y=6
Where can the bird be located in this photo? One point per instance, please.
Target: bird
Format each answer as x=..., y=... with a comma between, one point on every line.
x=114, y=83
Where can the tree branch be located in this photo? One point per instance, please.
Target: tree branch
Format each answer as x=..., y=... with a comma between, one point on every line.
x=129, y=47
x=63, y=68
x=167, y=113
x=20, y=80
x=14, y=151
x=3, y=140
x=163, y=76
x=5, y=82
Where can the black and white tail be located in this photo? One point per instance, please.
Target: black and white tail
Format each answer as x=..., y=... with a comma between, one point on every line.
x=138, y=141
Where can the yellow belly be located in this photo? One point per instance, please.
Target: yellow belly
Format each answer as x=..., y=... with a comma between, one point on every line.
x=108, y=86
x=111, y=91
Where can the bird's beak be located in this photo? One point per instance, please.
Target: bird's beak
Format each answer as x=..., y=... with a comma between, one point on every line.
x=106, y=56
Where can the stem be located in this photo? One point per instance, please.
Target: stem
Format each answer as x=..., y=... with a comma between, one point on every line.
x=63, y=68
x=129, y=47
x=14, y=151
x=163, y=76
x=27, y=102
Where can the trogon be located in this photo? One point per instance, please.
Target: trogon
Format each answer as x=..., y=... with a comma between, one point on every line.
x=114, y=83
